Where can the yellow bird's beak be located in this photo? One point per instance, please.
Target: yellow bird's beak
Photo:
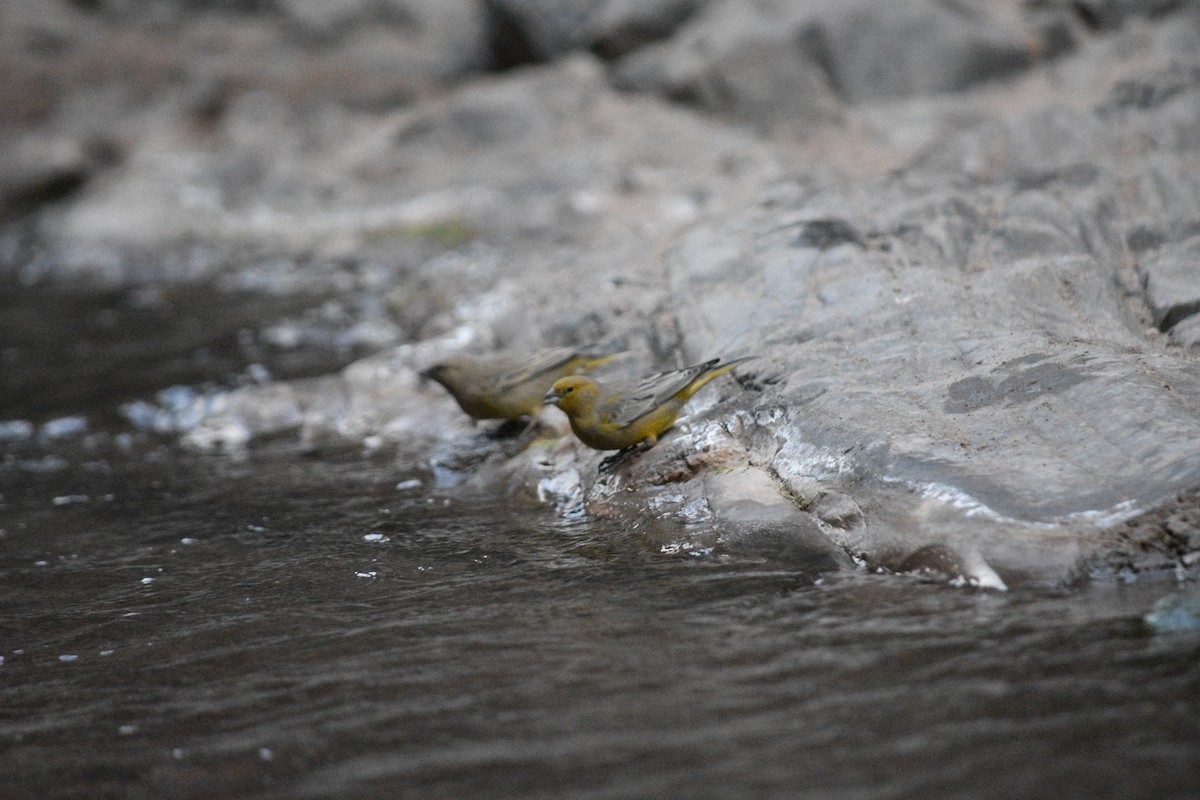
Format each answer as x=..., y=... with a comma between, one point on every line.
x=552, y=397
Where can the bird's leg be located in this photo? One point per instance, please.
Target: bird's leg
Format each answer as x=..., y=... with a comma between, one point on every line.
x=609, y=462
x=623, y=455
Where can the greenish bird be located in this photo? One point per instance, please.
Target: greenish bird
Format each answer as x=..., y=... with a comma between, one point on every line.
x=509, y=386
x=618, y=415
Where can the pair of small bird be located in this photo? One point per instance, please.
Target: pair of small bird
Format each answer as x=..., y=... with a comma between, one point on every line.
x=613, y=416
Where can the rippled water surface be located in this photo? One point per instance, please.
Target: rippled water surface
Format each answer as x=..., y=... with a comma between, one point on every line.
x=294, y=625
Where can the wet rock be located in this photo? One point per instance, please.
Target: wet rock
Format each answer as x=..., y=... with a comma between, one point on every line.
x=837, y=509
x=564, y=490
x=16, y=430
x=381, y=396
x=250, y=413
x=1165, y=539
x=940, y=560
x=1176, y=612
x=753, y=518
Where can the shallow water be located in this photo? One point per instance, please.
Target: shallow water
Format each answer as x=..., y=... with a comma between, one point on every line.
x=293, y=625
x=65, y=352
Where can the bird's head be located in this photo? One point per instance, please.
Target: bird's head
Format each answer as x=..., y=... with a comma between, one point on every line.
x=448, y=373
x=572, y=394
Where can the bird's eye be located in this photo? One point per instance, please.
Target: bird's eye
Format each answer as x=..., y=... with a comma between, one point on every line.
x=568, y=390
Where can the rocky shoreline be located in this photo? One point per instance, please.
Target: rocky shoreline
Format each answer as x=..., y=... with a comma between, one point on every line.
x=962, y=239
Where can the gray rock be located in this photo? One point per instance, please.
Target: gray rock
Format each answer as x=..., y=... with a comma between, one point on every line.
x=34, y=170
x=785, y=65
x=1107, y=14
x=1012, y=409
x=114, y=59
x=249, y=413
x=839, y=510
x=621, y=26
x=741, y=61
x=1175, y=613
x=1172, y=280
x=754, y=519
x=1186, y=333
x=896, y=49
x=535, y=31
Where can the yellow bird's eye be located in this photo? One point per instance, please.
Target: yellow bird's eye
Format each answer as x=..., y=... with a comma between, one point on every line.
x=568, y=389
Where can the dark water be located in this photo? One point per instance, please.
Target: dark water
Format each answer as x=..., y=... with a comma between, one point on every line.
x=476, y=647
x=295, y=625
x=63, y=352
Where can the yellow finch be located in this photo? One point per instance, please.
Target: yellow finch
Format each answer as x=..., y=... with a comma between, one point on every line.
x=620, y=415
x=506, y=386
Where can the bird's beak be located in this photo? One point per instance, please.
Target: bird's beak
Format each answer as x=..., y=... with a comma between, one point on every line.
x=551, y=399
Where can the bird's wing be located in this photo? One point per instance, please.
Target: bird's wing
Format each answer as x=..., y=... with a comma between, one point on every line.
x=527, y=367
x=631, y=401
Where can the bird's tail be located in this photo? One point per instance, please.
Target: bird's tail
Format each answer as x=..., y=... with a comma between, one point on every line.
x=592, y=360
x=589, y=358
x=710, y=370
